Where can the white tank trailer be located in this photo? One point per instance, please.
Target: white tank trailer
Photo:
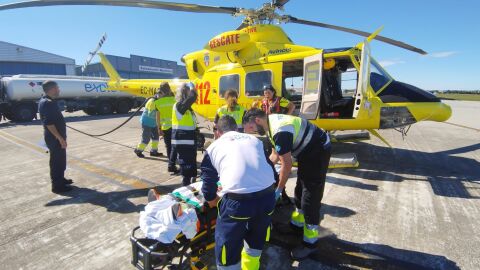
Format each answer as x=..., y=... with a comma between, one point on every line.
x=19, y=96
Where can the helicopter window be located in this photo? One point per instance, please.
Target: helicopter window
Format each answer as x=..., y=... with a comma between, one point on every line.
x=229, y=82
x=378, y=77
x=255, y=81
x=349, y=82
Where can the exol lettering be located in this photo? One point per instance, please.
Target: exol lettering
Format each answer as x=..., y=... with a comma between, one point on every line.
x=224, y=40
x=99, y=88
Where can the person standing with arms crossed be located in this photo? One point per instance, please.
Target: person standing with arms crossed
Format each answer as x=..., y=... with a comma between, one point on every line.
x=55, y=134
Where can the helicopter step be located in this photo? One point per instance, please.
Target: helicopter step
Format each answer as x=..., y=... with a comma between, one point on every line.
x=350, y=137
x=344, y=160
x=337, y=161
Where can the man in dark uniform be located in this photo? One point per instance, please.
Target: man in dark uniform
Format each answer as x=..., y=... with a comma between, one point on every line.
x=55, y=133
x=184, y=125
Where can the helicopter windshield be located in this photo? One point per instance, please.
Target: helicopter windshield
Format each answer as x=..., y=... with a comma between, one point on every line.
x=378, y=77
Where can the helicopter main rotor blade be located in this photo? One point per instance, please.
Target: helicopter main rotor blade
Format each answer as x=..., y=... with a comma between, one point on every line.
x=280, y=3
x=123, y=3
x=360, y=33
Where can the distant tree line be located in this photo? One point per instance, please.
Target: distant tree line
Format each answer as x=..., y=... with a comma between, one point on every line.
x=455, y=92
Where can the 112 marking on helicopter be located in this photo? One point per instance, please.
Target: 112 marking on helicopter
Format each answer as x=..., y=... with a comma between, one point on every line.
x=259, y=53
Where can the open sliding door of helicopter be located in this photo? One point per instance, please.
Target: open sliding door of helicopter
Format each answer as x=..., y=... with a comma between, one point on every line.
x=363, y=79
x=312, y=83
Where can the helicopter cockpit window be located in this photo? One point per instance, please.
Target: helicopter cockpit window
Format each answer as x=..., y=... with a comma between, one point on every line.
x=255, y=81
x=378, y=77
x=229, y=82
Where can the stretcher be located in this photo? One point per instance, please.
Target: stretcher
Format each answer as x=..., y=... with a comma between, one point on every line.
x=149, y=254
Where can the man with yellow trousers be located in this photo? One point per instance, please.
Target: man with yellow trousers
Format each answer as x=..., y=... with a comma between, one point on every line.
x=247, y=201
x=293, y=136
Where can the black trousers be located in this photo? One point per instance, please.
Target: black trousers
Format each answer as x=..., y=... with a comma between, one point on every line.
x=172, y=155
x=312, y=171
x=187, y=159
x=58, y=162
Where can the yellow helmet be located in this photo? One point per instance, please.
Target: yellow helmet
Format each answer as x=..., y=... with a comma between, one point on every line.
x=328, y=63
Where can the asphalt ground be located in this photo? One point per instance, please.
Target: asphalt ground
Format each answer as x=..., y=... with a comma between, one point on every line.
x=415, y=205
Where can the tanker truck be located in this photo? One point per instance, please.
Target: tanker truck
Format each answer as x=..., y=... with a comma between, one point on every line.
x=19, y=96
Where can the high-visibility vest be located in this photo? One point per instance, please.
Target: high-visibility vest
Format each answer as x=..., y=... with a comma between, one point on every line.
x=293, y=124
x=164, y=106
x=183, y=127
x=237, y=114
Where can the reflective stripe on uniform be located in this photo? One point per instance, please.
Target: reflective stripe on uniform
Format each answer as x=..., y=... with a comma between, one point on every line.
x=297, y=218
x=310, y=233
x=187, y=142
x=183, y=127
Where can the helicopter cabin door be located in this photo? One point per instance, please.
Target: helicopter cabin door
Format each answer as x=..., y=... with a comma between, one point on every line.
x=363, y=79
x=312, y=83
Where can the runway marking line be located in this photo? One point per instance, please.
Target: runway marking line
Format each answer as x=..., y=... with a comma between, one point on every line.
x=117, y=177
x=462, y=126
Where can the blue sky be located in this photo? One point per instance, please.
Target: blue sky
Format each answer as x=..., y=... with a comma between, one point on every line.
x=448, y=30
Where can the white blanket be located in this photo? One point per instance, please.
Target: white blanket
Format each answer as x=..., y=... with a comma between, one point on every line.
x=157, y=221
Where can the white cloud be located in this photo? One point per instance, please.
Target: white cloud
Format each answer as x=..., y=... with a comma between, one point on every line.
x=386, y=63
x=442, y=54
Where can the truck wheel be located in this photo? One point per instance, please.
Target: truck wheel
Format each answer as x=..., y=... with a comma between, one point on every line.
x=24, y=113
x=90, y=111
x=104, y=107
x=124, y=106
x=9, y=115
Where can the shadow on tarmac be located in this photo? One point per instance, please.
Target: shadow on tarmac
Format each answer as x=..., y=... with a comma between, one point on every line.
x=448, y=174
x=342, y=254
x=115, y=201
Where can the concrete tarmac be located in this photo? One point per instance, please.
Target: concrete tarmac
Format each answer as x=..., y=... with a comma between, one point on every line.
x=413, y=206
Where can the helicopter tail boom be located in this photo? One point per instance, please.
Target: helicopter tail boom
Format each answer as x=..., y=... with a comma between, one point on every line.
x=112, y=73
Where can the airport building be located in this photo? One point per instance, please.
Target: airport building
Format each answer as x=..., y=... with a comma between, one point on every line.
x=137, y=67
x=16, y=59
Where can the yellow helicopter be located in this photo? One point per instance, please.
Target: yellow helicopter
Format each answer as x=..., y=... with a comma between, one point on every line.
x=259, y=53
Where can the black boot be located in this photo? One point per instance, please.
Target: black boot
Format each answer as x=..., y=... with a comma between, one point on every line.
x=139, y=153
x=303, y=251
x=155, y=154
x=67, y=181
x=173, y=169
x=61, y=189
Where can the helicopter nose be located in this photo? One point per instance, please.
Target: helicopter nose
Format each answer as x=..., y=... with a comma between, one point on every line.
x=443, y=113
x=434, y=111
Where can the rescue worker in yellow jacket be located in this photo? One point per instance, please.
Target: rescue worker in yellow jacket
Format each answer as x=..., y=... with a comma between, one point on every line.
x=149, y=121
x=184, y=125
x=231, y=108
x=293, y=136
x=164, y=105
